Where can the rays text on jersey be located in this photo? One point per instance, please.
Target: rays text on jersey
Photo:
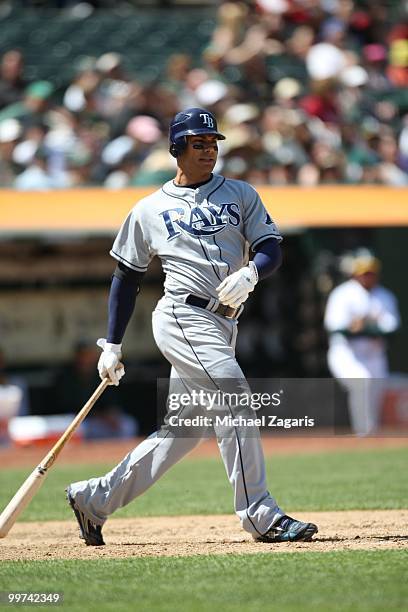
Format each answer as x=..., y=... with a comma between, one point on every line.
x=200, y=220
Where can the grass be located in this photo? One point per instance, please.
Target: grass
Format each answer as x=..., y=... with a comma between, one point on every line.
x=325, y=481
x=341, y=581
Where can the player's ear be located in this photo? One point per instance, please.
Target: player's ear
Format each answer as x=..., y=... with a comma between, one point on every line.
x=176, y=148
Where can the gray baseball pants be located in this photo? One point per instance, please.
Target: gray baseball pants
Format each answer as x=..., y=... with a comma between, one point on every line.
x=200, y=345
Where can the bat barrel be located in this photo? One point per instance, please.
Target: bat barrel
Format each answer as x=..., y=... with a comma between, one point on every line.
x=20, y=500
x=31, y=485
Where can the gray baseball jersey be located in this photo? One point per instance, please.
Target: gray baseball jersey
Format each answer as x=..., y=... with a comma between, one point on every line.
x=201, y=235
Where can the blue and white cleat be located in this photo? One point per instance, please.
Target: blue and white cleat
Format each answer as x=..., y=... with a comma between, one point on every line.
x=288, y=529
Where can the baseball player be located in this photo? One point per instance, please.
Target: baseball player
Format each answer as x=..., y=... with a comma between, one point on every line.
x=202, y=227
x=359, y=316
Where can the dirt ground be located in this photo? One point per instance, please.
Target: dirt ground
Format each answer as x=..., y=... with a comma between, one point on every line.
x=202, y=535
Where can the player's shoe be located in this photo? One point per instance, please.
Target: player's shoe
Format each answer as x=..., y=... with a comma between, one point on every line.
x=288, y=529
x=89, y=531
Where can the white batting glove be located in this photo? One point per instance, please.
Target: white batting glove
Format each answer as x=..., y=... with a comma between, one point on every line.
x=109, y=364
x=234, y=290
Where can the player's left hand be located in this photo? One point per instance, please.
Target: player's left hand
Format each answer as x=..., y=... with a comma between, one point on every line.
x=109, y=364
x=234, y=290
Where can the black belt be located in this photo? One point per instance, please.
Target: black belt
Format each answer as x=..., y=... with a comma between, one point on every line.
x=222, y=309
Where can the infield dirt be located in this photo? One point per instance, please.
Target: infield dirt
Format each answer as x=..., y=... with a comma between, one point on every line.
x=202, y=535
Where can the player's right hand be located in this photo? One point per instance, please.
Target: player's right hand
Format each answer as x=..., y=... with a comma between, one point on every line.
x=109, y=364
x=235, y=289
x=357, y=325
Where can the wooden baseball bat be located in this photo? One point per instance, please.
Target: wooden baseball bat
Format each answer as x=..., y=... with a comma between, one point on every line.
x=32, y=484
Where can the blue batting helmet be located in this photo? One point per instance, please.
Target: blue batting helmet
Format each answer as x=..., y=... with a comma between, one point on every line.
x=191, y=122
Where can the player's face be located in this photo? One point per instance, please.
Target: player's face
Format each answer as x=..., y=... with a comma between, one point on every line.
x=200, y=154
x=368, y=280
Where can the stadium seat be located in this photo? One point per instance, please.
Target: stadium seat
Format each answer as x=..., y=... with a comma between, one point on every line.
x=51, y=42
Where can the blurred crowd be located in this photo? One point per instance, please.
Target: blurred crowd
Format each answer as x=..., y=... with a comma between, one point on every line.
x=307, y=92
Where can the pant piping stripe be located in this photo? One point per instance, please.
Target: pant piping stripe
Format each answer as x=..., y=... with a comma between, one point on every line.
x=232, y=414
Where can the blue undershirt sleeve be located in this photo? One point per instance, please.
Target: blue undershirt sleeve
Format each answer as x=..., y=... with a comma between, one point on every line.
x=268, y=257
x=121, y=303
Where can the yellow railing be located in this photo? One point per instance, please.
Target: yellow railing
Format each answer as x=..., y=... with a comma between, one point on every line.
x=100, y=210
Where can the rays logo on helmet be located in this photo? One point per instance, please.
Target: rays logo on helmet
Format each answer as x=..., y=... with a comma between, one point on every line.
x=207, y=120
x=200, y=221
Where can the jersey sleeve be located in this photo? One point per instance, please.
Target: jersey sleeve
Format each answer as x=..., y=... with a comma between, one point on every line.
x=258, y=225
x=337, y=316
x=131, y=245
x=388, y=319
